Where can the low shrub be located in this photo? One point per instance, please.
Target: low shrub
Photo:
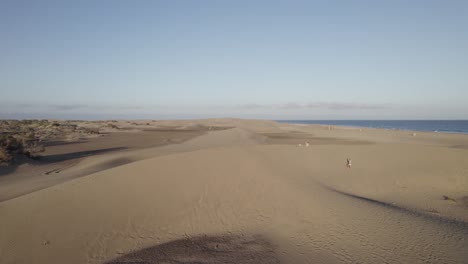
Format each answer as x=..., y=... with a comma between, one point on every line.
x=18, y=144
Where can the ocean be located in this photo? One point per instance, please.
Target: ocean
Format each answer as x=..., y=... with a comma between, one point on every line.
x=448, y=126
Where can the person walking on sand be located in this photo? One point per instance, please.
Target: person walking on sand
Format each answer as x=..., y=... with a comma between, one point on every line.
x=348, y=163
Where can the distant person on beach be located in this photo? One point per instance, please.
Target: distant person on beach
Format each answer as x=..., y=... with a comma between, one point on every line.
x=348, y=163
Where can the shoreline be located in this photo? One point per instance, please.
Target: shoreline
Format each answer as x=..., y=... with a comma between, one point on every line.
x=380, y=128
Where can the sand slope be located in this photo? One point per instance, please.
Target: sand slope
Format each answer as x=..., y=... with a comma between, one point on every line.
x=277, y=202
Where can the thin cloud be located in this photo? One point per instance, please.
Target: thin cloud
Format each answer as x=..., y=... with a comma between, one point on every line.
x=68, y=107
x=354, y=106
x=77, y=108
x=290, y=106
x=317, y=105
x=252, y=106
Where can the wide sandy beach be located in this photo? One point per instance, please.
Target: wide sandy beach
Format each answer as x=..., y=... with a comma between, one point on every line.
x=239, y=191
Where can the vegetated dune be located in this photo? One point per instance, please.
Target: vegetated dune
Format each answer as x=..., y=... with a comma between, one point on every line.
x=247, y=195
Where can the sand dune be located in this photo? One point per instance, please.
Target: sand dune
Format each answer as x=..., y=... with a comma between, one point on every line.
x=249, y=194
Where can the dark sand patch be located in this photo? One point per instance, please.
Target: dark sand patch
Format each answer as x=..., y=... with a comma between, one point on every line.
x=463, y=201
x=129, y=140
x=295, y=137
x=187, y=128
x=460, y=146
x=447, y=198
x=206, y=249
x=76, y=155
x=51, y=143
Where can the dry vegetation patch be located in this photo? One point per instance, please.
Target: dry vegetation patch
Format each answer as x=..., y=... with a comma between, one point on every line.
x=25, y=138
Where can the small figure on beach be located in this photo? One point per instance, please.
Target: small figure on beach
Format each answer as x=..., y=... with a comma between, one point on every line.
x=348, y=163
x=307, y=144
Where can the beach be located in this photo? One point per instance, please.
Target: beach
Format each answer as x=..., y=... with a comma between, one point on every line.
x=239, y=191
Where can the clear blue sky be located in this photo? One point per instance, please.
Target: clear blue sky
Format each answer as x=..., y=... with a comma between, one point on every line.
x=262, y=59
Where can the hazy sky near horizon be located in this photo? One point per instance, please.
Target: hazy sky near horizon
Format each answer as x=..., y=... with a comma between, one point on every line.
x=253, y=59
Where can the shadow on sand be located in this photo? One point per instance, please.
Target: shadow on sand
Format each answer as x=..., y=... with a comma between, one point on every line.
x=5, y=170
x=61, y=143
x=206, y=249
x=459, y=224
x=47, y=159
x=75, y=155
